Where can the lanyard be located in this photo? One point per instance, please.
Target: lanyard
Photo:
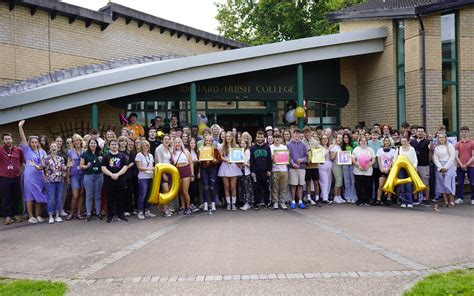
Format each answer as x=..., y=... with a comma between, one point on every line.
x=147, y=159
x=38, y=155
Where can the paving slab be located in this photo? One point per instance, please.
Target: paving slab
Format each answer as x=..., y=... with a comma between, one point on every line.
x=247, y=243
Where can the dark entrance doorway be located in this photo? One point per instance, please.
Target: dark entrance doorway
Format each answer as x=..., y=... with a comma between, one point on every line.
x=242, y=122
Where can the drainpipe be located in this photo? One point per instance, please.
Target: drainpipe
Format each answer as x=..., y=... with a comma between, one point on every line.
x=423, y=68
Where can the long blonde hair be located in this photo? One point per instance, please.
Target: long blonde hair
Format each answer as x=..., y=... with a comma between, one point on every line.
x=225, y=145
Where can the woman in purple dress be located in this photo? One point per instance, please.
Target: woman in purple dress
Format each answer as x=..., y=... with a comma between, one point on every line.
x=34, y=187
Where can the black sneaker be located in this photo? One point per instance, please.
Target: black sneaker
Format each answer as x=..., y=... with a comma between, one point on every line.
x=88, y=218
x=257, y=207
x=123, y=219
x=99, y=217
x=109, y=219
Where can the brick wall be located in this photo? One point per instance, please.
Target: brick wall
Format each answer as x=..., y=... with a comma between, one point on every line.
x=66, y=122
x=376, y=79
x=466, y=67
x=349, y=80
x=35, y=45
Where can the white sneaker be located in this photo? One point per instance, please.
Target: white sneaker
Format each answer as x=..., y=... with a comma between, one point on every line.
x=140, y=216
x=149, y=214
x=228, y=207
x=409, y=206
x=39, y=219
x=245, y=207
x=342, y=199
x=337, y=200
x=51, y=220
x=213, y=206
x=275, y=206
x=167, y=213
x=205, y=207
x=311, y=201
x=283, y=206
x=63, y=213
x=234, y=208
x=126, y=214
x=32, y=220
x=459, y=201
x=58, y=219
x=403, y=205
x=472, y=202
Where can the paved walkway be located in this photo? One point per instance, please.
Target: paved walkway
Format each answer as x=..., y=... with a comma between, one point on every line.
x=333, y=250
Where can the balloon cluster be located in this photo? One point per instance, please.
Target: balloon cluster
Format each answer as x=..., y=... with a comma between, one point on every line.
x=292, y=115
x=202, y=123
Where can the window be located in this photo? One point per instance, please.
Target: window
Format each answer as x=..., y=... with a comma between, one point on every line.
x=450, y=71
x=400, y=46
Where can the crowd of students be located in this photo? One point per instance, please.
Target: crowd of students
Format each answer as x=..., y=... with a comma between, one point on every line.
x=94, y=177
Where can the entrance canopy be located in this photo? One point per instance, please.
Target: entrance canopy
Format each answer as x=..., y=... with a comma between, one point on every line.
x=129, y=80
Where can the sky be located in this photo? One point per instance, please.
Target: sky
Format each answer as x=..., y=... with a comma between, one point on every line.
x=199, y=14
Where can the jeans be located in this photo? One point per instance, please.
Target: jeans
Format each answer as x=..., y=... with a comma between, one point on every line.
x=208, y=179
x=55, y=197
x=349, y=183
x=93, y=185
x=262, y=188
x=406, y=191
x=461, y=174
x=144, y=186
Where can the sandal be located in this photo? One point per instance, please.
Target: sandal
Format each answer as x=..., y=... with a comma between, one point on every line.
x=70, y=217
x=79, y=217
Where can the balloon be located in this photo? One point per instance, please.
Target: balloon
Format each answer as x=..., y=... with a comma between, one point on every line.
x=392, y=181
x=157, y=198
x=299, y=112
x=202, y=119
x=123, y=120
x=290, y=116
x=364, y=160
x=160, y=134
x=201, y=128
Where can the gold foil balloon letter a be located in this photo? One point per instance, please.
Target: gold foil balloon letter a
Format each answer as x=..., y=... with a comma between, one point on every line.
x=392, y=181
x=157, y=198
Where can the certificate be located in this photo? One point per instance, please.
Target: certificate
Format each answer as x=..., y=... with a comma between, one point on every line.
x=206, y=153
x=317, y=155
x=344, y=158
x=281, y=157
x=236, y=155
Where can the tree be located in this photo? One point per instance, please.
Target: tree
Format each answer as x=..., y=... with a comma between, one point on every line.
x=267, y=21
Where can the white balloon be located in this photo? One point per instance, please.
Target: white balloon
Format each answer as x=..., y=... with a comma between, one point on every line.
x=202, y=119
x=290, y=116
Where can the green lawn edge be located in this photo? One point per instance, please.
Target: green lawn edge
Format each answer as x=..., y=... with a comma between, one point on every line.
x=13, y=287
x=456, y=282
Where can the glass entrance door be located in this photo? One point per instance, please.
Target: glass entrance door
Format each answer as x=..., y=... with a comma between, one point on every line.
x=248, y=122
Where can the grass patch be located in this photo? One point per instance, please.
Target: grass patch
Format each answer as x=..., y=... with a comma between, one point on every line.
x=9, y=287
x=456, y=282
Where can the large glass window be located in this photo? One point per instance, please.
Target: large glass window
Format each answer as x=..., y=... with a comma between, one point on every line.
x=400, y=45
x=450, y=71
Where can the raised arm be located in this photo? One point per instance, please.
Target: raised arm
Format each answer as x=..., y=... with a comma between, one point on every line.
x=22, y=133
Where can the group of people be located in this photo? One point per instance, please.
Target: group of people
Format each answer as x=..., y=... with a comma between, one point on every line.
x=100, y=178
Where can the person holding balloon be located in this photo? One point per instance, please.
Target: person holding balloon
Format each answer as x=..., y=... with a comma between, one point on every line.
x=385, y=156
x=363, y=158
x=406, y=189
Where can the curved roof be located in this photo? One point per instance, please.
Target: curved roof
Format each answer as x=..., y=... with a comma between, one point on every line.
x=133, y=79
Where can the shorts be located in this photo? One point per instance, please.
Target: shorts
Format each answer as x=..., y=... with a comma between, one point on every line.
x=185, y=171
x=77, y=182
x=311, y=174
x=296, y=177
x=424, y=172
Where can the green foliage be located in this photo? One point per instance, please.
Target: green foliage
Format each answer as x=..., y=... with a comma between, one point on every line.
x=456, y=282
x=31, y=288
x=267, y=21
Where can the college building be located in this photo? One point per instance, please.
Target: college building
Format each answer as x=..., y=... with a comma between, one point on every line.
x=66, y=69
